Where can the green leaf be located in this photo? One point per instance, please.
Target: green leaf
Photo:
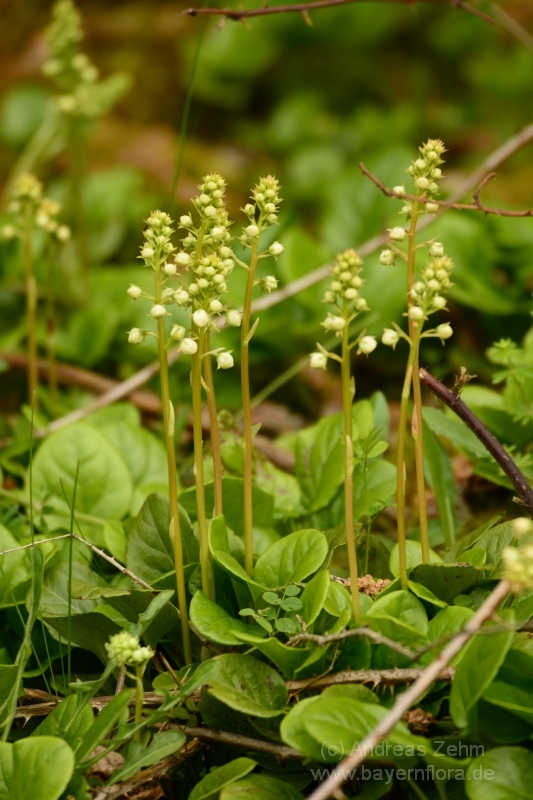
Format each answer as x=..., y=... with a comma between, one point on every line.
x=455, y=430
x=115, y=539
x=477, y=669
x=143, y=453
x=447, y=581
x=320, y=461
x=35, y=768
x=66, y=722
x=423, y=593
x=209, y=787
x=294, y=733
x=8, y=684
x=287, y=659
x=15, y=573
x=55, y=599
x=292, y=559
x=398, y=615
x=213, y=622
x=442, y=482
x=84, y=591
x=373, y=489
x=413, y=555
x=260, y=787
x=314, y=596
x=505, y=773
x=149, y=551
x=233, y=499
x=162, y=745
x=512, y=698
x=248, y=685
x=103, y=723
x=104, y=488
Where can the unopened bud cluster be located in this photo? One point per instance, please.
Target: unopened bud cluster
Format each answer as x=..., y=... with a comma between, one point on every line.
x=261, y=214
x=75, y=76
x=518, y=564
x=30, y=206
x=125, y=650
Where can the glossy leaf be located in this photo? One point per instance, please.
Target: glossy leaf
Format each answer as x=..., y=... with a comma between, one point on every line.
x=505, y=773
x=248, y=685
x=292, y=559
x=209, y=787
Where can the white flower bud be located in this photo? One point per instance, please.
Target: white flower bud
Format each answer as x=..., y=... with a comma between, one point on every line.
x=218, y=232
x=177, y=332
x=221, y=287
x=215, y=306
x=398, y=190
x=233, y=318
x=136, y=336
x=134, y=291
x=186, y=221
x=420, y=163
x=158, y=311
x=387, y=256
x=272, y=218
x=434, y=285
x=189, y=347
x=351, y=294
x=225, y=252
x=183, y=259
x=270, y=208
x=66, y=103
x=268, y=284
x=9, y=232
x=415, y=313
x=519, y=567
x=249, y=209
x=397, y=234
x=439, y=302
x=367, y=344
x=436, y=249
x=170, y=269
x=357, y=282
x=147, y=252
x=181, y=297
x=346, y=276
x=210, y=211
x=432, y=208
x=276, y=249
x=436, y=173
x=252, y=230
x=201, y=318
x=318, y=360
x=336, y=286
x=224, y=360
x=390, y=337
x=194, y=289
x=329, y=297
x=334, y=323
x=360, y=304
x=422, y=183
x=203, y=283
x=444, y=331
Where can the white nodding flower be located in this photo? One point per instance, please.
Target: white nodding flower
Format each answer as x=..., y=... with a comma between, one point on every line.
x=360, y=304
x=252, y=230
x=398, y=190
x=201, y=318
x=215, y=306
x=367, y=345
x=336, y=286
x=203, y=283
x=334, y=323
x=233, y=318
x=436, y=249
x=269, y=283
x=183, y=259
x=194, y=289
x=415, y=313
x=390, y=337
x=432, y=208
x=136, y=336
x=329, y=297
x=218, y=232
x=318, y=360
x=422, y=183
x=351, y=294
x=444, y=331
x=147, y=252
x=225, y=360
x=522, y=525
x=181, y=297
x=134, y=291
x=177, y=332
x=276, y=249
x=225, y=252
x=434, y=285
x=210, y=211
x=439, y=302
x=397, y=234
x=158, y=311
x=170, y=269
x=186, y=221
x=189, y=347
x=387, y=256
x=420, y=163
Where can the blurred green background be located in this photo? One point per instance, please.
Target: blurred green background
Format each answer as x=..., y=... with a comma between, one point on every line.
x=366, y=82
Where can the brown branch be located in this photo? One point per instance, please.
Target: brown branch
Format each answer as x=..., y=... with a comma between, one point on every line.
x=378, y=677
x=486, y=438
x=404, y=702
x=69, y=375
x=280, y=752
x=477, y=205
x=378, y=638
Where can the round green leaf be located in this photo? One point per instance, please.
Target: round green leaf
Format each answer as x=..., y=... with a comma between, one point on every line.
x=505, y=773
x=248, y=685
x=291, y=559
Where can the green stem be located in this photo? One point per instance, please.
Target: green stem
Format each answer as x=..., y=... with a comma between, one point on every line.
x=31, y=311
x=206, y=566
x=139, y=698
x=78, y=171
x=51, y=330
x=416, y=422
x=175, y=531
x=213, y=424
x=347, y=397
x=400, y=486
x=247, y=413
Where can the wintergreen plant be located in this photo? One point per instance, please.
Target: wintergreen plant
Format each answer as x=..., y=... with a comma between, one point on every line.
x=125, y=650
x=155, y=253
x=31, y=211
x=261, y=214
x=424, y=297
x=344, y=295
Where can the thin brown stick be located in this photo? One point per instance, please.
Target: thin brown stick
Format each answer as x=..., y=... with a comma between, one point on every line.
x=368, y=632
x=486, y=438
x=377, y=677
x=404, y=702
x=477, y=205
x=280, y=752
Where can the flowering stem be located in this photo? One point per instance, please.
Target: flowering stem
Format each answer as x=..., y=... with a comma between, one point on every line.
x=347, y=397
x=213, y=424
x=416, y=424
x=247, y=413
x=400, y=486
x=175, y=532
x=208, y=586
x=31, y=311
x=51, y=329
x=78, y=170
x=139, y=698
